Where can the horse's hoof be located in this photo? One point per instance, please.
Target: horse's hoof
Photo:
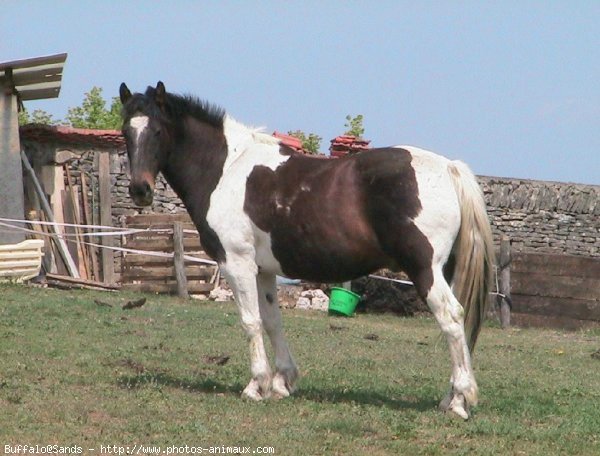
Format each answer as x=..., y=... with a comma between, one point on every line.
x=252, y=396
x=288, y=378
x=280, y=388
x=456, y=404
x=460, y=411
x=471, y=395
x=253, y=391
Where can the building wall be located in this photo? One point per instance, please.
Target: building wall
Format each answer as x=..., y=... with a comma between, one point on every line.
x=544, y=216
x=538, y=216
x=165, y=199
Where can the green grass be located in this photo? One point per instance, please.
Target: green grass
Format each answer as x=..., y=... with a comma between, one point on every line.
x=72, y=372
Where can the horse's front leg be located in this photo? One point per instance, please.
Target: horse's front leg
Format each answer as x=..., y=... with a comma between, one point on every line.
x=241, y=276
x=286, y=375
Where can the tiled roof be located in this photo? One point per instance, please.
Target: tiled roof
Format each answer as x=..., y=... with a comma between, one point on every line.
x=72, y=136
x=345, y=144
x=62, y=135
x=290, y=141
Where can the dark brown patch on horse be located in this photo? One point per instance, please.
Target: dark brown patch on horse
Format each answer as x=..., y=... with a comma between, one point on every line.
x=393, y=205
x=334, y=220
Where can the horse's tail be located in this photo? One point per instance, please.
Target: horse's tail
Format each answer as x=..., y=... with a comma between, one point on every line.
x=473, y=251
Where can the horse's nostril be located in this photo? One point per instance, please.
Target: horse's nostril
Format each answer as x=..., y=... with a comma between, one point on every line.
x=140, y=190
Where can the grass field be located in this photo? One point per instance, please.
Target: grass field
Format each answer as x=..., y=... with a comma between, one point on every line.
x=73, y=372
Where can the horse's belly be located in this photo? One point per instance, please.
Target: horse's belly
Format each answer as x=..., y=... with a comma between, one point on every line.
x=323, y=253
x=264, y=257
x=315, y=215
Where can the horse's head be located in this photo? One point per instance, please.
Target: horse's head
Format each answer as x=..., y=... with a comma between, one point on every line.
x=145, y=129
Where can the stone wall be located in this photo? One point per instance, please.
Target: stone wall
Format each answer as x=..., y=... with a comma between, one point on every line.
x=541, y=216
x=538, y=216
x=165, y=200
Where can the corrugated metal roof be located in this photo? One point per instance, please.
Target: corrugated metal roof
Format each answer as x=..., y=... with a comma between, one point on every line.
x=37, y=78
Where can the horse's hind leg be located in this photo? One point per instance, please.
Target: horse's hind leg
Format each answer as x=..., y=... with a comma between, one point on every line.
x=286, y=374
x=449, y=314
x=240, y=273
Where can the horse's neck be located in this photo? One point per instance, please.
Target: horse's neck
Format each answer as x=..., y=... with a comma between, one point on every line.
x=196, y=165
x=205, y=153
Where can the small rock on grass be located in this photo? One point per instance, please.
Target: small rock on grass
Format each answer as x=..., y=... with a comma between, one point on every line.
x=133, y=304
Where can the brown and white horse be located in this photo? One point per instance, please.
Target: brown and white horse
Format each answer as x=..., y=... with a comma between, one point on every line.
x=262, y=209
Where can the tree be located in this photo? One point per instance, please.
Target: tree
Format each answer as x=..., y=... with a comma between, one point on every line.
x=354, y=125
x=93, y=113
x=38, y=116
x=310, y=143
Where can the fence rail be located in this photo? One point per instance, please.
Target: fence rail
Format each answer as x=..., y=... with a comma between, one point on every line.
x=555, y=290
x=140, y=272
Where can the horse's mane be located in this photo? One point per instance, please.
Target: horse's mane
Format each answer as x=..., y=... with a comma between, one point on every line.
x=179, y=106
x=176, y=106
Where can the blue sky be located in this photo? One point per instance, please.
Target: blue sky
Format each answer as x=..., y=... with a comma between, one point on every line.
x=510, y=87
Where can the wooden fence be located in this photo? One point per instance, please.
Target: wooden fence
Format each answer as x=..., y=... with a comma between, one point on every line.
x=141, y=272
x=555, y=290
x=545, y=290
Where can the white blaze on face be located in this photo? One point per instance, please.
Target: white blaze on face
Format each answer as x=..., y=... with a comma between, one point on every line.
x=139, y=124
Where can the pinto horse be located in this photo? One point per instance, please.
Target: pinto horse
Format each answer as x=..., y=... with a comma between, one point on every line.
x=262, y=209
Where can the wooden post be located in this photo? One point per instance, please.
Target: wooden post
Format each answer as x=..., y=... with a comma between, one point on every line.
x=60, y=242
x=504, y=298
x=73, y=204
x=34, y=213
x=70, y=231
x=88, y=220
x=178, y=252
x=53, y=181
x=47, y=259
x=108, y=266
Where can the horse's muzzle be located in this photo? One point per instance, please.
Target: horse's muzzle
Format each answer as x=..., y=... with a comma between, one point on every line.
x=141, y=193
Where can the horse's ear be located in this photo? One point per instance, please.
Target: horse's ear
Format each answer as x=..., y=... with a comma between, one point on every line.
x=124, y=93
x=161, y=94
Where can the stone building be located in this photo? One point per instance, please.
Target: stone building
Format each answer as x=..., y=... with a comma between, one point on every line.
x=538, y=216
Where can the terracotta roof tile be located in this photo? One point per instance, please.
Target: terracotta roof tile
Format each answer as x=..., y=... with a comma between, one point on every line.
x=290, y=141
x=72, y=136
x=345, y=144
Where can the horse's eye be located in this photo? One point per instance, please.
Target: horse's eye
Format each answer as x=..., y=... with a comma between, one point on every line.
x=157, y=132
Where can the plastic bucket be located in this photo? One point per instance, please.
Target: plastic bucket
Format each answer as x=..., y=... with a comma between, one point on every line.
x=343, y=302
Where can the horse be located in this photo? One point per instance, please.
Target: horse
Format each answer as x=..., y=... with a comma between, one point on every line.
x=262, y=209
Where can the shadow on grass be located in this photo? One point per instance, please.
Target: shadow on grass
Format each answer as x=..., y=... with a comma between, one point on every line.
x=198, y=385
x=320, y=395
x=364, y=397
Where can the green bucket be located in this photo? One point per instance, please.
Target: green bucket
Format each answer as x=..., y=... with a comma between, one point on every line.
x=343, y=302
